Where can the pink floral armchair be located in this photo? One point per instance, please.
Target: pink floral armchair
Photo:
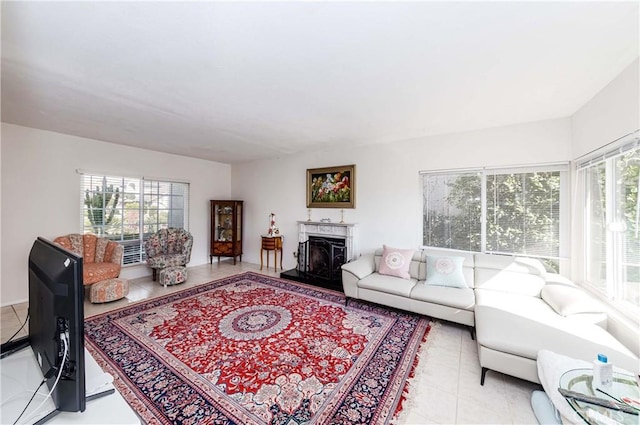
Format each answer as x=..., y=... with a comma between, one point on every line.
x=101, y=257
x=168, y=248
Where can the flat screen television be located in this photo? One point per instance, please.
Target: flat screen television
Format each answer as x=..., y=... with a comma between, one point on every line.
x=56, y=308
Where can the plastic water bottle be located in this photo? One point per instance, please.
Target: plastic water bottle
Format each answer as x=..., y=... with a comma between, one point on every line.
x=602, y=372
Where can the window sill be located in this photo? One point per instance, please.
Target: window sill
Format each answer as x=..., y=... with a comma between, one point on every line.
x=126, y=266
x=623, y=311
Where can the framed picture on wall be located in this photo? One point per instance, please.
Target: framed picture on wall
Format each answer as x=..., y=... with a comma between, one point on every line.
x=331, y=187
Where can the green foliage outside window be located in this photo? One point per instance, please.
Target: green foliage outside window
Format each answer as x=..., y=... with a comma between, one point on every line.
x=522, y=214
x=101, y=207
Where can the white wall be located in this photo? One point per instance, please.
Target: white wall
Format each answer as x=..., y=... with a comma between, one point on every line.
x=388, y=186
x=611, y=114
x=41, y=193
x=1, y=203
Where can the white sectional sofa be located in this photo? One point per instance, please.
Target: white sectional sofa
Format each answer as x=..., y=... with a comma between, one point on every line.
x=516, y=307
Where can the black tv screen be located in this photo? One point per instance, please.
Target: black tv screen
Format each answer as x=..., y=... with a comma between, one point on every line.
x=56, y=308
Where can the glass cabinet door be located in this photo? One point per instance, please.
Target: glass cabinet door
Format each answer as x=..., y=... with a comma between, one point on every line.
x=238, y=222
x=224, y=222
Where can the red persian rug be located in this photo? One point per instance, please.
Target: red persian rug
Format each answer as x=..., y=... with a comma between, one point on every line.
x=252, y=349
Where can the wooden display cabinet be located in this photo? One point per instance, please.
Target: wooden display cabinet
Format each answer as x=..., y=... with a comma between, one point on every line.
x=226, y=230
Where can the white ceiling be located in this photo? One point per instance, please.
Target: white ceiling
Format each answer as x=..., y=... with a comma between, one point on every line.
x=241, y=81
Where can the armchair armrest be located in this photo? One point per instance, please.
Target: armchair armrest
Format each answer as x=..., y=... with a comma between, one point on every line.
x=186, y=248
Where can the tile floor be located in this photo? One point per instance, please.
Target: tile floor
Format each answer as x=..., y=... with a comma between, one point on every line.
x=445, y=390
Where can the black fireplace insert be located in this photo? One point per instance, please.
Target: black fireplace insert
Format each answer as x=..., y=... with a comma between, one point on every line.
x=321, y=258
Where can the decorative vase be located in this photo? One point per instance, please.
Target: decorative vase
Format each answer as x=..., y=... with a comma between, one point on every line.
x=273, y=229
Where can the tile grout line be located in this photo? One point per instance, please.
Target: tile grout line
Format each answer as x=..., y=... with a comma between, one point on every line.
x=459, y=377
x=512, y=411
x=25, y=329
x=11, y=331
x=15, y=313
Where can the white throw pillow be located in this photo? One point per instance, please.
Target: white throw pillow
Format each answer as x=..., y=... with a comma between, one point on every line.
x=445, y=271
x=568, y=300
x=396, y=262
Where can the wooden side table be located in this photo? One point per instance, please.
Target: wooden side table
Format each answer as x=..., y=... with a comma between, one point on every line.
x=272, y=243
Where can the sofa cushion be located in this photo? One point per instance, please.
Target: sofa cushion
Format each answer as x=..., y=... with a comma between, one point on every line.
x=388, y=284
x=108, y=251
x=95, y=272
x=112, y=252
x=167, y=260
x=101, y=247
x=396, y=262
x=72, y=242
x=568, y=300
x=173, y=275
x=89, y=242
x=556, y=279
x=463, y=298
x=517, y=275
x=445, y=271
x=600, y=319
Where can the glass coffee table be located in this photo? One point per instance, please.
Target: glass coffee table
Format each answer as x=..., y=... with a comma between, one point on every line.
x=624, y=389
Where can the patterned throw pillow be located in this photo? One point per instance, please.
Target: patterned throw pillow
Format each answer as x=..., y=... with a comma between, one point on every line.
x=396, y=262
x=445, y=271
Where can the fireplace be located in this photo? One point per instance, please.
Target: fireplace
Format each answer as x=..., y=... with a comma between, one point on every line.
x=321, y=257
x=322, y=248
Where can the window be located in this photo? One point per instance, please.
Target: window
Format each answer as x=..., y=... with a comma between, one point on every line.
x=610, y=185
x=127, y=210
x=511, y=211
x=453, y=210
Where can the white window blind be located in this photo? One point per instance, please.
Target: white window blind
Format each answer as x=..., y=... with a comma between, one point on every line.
x=128, y=210
x=518, y=210
x=610, y=185
x=523, y=213
x=452, y=210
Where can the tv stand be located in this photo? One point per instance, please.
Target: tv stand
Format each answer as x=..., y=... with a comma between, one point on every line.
x=21, y=375
x=88, y=398
x=101, y=394
x=11, y=347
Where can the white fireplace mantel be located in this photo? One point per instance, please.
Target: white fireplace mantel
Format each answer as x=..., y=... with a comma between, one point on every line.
x=346, y=231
